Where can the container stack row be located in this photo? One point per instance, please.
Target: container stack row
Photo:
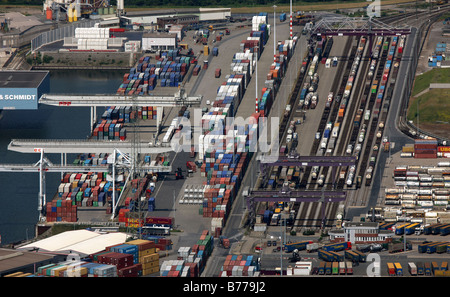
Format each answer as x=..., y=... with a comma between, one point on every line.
x=225, y=149
x=418, y=269
x=191, y=260
x=90, y=159
x=109, y=130
x=240, y=265
x=169, y=69
x=420, y=187
x=260, y=27
x=87, y=189
x=122, y=114
x=425, y=148
x=61, y=211
x=440, y=54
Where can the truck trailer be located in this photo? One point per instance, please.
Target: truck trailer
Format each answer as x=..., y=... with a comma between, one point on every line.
x=336, y=247
x=289, y=247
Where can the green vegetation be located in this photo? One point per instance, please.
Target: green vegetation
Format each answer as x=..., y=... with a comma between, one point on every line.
x=434, y=107
x=436, y=75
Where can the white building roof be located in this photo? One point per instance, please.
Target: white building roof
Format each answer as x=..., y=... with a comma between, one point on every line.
x=83, y=242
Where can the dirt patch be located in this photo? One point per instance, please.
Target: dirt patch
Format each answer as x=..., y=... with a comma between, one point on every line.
x=24, y=9
x=442, y=130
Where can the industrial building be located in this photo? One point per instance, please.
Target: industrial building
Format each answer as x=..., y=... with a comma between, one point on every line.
x=81, y=242
x=22, y=89
x=361, y=232
x=13, y=261
x=155, y=41
x=203, y=15
x=165, y=22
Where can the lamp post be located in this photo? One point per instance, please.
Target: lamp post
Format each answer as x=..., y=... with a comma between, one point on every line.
x=290, y=20
x=274, y=33
x=255, y=52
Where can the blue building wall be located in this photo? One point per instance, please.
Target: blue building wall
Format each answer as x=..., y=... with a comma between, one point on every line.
x=23, y=98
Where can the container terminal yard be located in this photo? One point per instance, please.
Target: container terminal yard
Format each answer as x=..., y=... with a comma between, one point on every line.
x=339, y=184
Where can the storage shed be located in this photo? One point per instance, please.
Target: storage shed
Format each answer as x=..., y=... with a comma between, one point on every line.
x=155, y=41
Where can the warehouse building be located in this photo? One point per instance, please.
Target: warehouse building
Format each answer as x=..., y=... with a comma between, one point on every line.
x=361, y=233
x=157, y=41
x=12, y=261
x=166, y=22
x=203, y=15
x=22, y=89
x=80, y=242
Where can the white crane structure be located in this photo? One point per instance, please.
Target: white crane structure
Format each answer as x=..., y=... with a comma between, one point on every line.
x=113, y=164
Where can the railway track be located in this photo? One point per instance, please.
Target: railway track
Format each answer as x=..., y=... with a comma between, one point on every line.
x=314, y=215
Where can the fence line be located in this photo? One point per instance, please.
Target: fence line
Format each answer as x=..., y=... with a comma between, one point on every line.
x=59, y=34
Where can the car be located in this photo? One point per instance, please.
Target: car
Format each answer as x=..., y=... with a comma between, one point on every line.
x=274, y=243
x=317, y=135
x=269, y=243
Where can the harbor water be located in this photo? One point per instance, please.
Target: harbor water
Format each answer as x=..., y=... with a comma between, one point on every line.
x=19, y=191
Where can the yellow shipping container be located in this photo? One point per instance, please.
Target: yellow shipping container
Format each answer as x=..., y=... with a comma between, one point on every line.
x=150, y=264
x=147, y=252
x=15, y=274
x=206, y=50
x=150, y=270
x=408, y=149
x=150, y=258
x=59, y=272
x=138, y=241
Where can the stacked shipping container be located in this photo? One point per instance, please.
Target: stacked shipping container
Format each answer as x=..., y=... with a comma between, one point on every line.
x=61, y=211
x=240, y=265
x=87, y=189
x=191, y=260
x=425, y=148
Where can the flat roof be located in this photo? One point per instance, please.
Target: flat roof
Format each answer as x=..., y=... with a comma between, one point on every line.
x=178, y=16
x=22, y=78
x=12, y=259
x=157, y=35
x=361, y=224
x=176, y=11
x=83, y=242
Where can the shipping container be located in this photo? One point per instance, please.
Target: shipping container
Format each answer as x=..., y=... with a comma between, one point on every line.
x=420, y=268
x=412, y=268
x=391, y=269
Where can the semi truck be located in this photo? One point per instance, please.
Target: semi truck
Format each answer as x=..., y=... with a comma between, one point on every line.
x=335, y=247
x=301, y=245
x=355, y=256
x=411, y=229
x=326, y=256
x=398, y=247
